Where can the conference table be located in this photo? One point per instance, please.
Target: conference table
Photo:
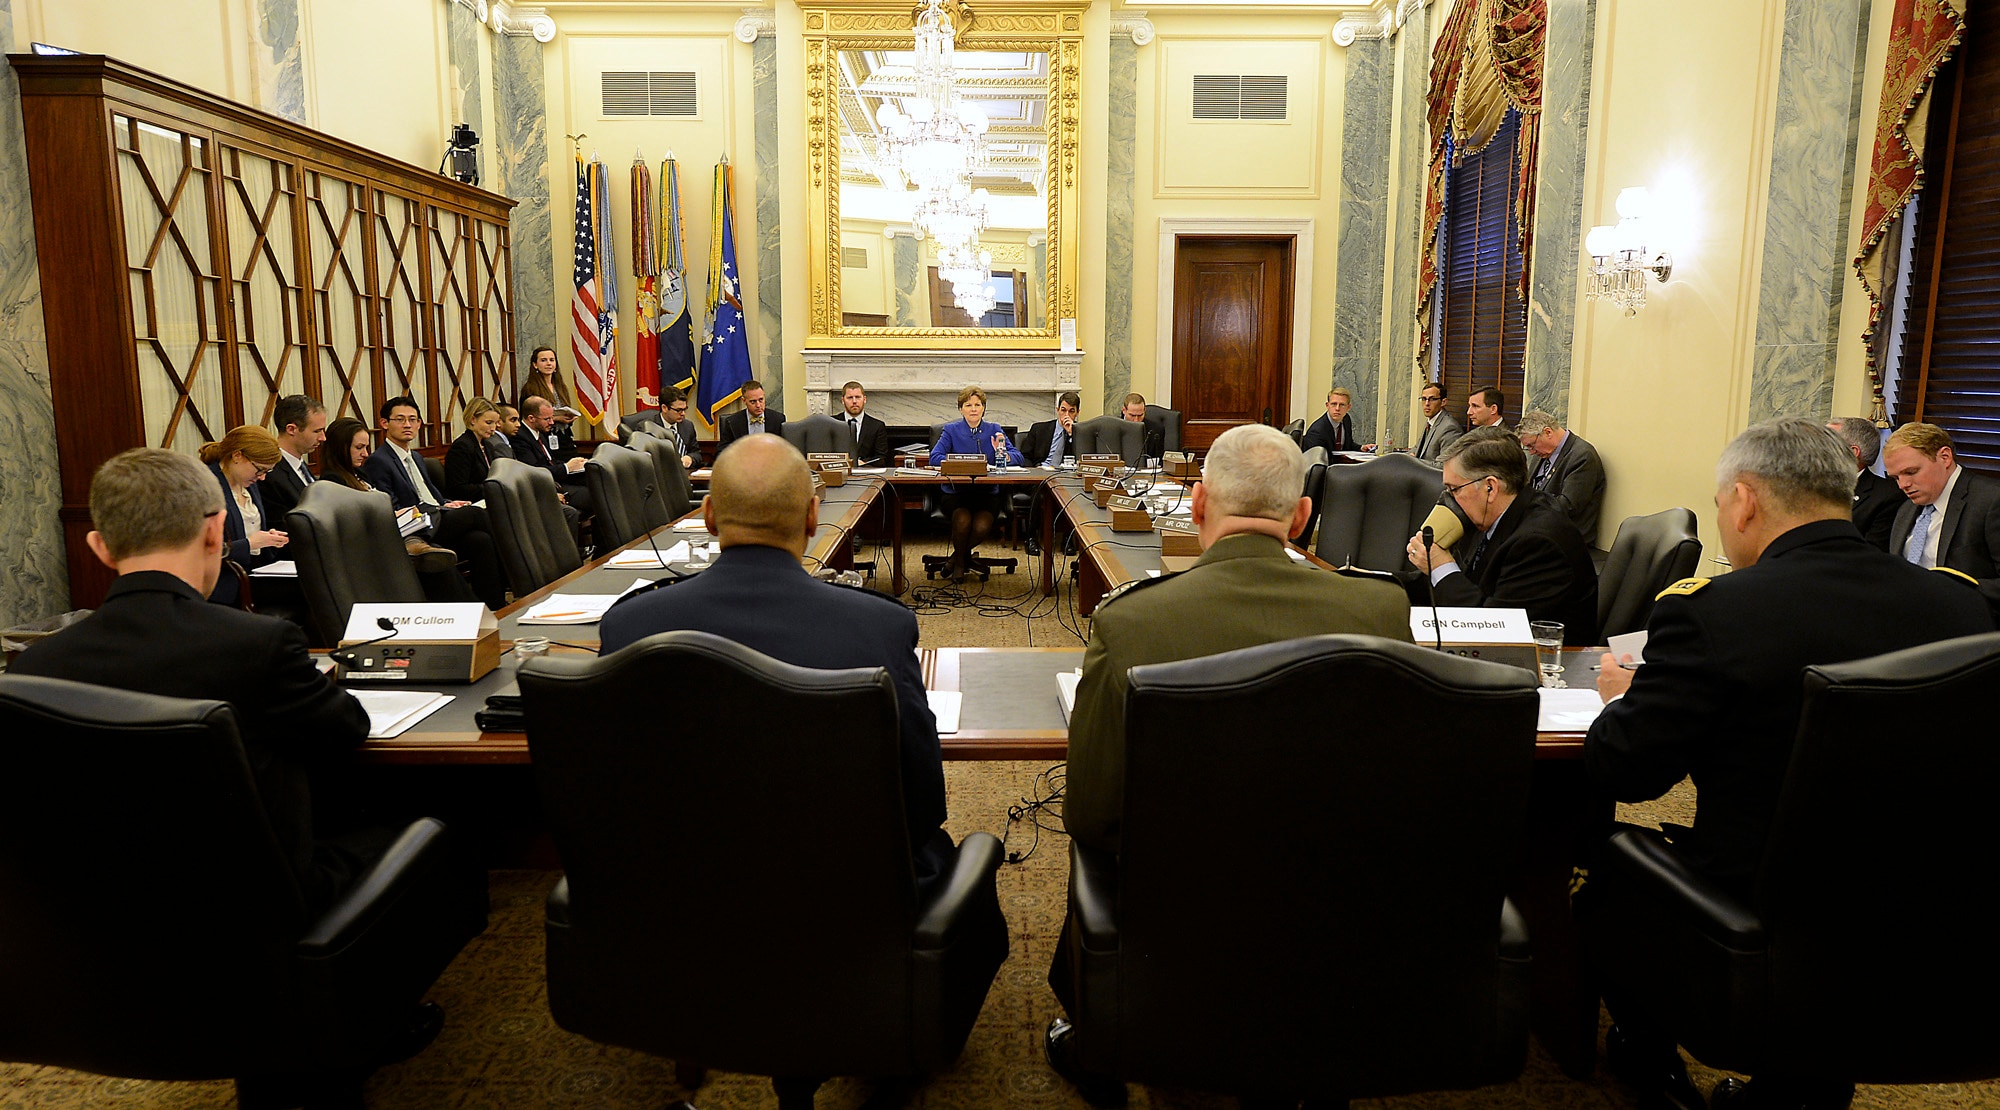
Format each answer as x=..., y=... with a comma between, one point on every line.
x=1009, y=710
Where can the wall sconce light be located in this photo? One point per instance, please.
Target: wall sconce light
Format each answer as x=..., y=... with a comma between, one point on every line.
x=1621, y=256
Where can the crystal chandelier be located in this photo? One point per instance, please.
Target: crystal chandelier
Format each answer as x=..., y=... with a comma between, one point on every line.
x=1620, y=258
x=976, y=301
x=934, y=138
x=961, y=264
x=955, y=216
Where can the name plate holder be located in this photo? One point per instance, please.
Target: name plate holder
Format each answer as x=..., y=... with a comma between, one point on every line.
x=1128, y=514
x=1178, y=538
x=963, y=466
x=1108, y=462
x=833, y=473
x=1495, y=635
x=1181, y=464
x=448, y=642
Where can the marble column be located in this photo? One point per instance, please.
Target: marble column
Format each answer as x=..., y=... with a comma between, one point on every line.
x=1805, y=224
x=1369, y=105
x=1556, y=253
x=770, y=260
x=281, y=71
x=31, y=541
x=1119, y=198
x=521, y=155
x=908, y=273
x=1412, y=149
x=463, y=40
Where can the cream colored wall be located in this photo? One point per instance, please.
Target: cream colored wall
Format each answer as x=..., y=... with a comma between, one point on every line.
x=866, y=288
x=589, y=42
x=1210, y=170
x=376, y=71
x=1662, y=392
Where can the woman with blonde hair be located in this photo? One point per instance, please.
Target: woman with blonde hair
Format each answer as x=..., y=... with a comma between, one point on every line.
x=466, y=463
x=239, y=462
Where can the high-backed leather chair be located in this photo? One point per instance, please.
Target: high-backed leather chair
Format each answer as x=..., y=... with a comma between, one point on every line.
x=1650, y=554
x=1360, y=944
x=348, y=550
x=641, y=421
x=1369, y=511
x=820, y=434
x=625, y=487
x=798, y=962
x=1859, y=957
x=1315, y=489
x=534, y=541
x=1112, y=435
x=1297, y=430
x=151, y=926
x=1168, y=423
x=672, y=479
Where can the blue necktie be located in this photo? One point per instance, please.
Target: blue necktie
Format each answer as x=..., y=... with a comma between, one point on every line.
x=1057, y=443
x=1920, y=537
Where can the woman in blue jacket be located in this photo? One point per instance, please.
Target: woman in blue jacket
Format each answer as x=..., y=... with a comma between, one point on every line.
x=971, y=507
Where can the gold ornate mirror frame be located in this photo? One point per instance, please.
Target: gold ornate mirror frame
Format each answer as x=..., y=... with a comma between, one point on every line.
x=1056, y=29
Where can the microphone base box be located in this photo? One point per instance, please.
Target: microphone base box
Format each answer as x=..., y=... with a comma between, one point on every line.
x=1513, y=655
x=1183, y=468
x=963, y=468
x=1173, y=541
x=1130, y=520
x=831, y=476
x=422, y=662
x=1104, y=493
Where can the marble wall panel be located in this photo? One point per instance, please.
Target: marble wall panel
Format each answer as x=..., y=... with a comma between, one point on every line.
x=521, y=151
x=281, y=65
x=909, y=274
x=1413, y=62
x=1556, y=251
x=1369, y=100
x=1806, y=208
x=1120, y=197
x=463, y=38
x=770, y=318
x=36, y=583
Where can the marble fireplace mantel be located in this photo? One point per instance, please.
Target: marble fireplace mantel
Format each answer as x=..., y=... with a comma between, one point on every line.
x=921, y=387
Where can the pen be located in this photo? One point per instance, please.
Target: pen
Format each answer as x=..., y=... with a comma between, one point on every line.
x=552, y=616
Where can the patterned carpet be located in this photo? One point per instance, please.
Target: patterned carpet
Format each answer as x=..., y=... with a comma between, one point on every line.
x=500, y=1048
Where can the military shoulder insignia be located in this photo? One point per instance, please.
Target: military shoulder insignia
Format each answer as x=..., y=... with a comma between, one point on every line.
x=1959, y=574
x=1133, y=586
x=1365, y=573
x=1683, y=588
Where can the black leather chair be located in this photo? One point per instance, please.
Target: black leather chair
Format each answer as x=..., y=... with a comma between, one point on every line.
x=348, y=549
x=799, y=961
x=1168, y=423
x=1297, y=430
x=152, y=928
x=625, y=488
x=1350, y=937
x=820, y=434
x=642, y=421
x=1112, y=435
x=1370, y=510
x=672, y=479
x=1316, y=490
x=534, y=540
x=1650, y=554
x=1860, y=957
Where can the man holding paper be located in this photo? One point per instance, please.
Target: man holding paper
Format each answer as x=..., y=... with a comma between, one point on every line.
x=761, y=508
x=1718, y=695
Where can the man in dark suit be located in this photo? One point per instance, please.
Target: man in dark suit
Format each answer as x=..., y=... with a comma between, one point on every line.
x=1524, y=553
x=1045, y=444
x=301, y=424
x=542, y=441
x=1335, y=430
x=410, y=479
x=677, y=429
x=761, y=508
x=1133, y=409
x=1565, y=469
x=1441, y=428
x=159, y=525
x=755, y=419
x=1486, y=408
x=1953, y=515
x=1718, y=696
x=1876, y=498
x=870, y=446
x=500, y=445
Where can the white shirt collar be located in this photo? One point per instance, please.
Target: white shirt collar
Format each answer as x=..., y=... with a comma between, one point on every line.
x=297, y=462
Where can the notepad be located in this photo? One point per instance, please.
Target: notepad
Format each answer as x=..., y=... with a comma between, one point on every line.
x=1568, y=710
x=642, y=558
x=945, y=705
x=283, y=569
x=392, y=712
x=1066, y=691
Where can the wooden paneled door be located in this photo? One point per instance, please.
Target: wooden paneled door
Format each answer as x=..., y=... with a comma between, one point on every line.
x=1232, y=333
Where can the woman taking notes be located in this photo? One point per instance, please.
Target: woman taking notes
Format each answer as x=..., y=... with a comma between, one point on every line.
x=970, y=507
x=239, y=461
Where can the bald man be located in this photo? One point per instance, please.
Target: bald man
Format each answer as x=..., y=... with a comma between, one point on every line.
x=761, y=509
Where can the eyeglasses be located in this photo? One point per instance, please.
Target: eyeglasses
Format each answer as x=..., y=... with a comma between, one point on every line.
x=1471, y=482
x=261, y=470
x=406, y=420
x=680, y=409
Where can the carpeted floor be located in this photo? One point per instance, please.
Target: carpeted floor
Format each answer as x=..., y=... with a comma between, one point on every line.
x=501, y=1049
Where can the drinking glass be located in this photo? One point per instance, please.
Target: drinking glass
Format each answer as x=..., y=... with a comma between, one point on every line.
x=1548, y=650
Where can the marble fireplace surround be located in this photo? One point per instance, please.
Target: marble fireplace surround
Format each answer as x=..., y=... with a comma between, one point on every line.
x=921, y=387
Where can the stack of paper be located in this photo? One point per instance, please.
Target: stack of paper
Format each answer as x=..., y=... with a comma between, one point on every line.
x=283, y=569
x=1569, y=710
x=569, y=609
x=642, y=558
x=392, y=712
x=945, y=705
x=1066, y=691
x=411, y=520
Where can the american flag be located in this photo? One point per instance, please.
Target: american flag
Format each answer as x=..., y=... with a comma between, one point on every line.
x=587, y=310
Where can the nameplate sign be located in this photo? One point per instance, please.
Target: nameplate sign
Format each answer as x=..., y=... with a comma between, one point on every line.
x=1457, y=625
x=430, y=622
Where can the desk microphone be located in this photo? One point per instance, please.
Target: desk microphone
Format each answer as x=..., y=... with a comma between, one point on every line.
x=1430, y=588
x=650, y=542
x=347, y=657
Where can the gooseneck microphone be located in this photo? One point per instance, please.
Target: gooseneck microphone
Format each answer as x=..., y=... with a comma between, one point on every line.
x=1430, y=589
x=347, y=657
x=654, y=544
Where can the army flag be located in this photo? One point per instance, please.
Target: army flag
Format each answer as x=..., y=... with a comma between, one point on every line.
x=645, y=271
x=725, y=353
x=676, y=325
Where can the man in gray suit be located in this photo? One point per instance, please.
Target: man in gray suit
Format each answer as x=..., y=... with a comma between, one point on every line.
x=1566, y=468
x=1441, y=428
